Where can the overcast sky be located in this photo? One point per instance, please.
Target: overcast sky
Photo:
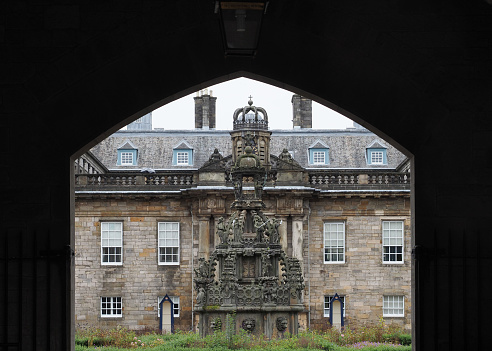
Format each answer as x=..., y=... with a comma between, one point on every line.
x=180, y=114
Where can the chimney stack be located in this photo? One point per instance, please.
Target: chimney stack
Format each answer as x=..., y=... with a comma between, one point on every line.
x=204, y=110
x=302, y=112
x=142, y=123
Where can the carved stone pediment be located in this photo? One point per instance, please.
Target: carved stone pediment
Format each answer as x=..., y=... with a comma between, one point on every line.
x=285, y=162
x=216, y=162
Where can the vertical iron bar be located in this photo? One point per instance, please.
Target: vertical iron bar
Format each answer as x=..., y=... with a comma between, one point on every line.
x=6, y=293
x=21, y=290
x=436, y=285
x=479, y=297
x=48, y=291
x=34, y=289
x=464, y=295
x=450, y=285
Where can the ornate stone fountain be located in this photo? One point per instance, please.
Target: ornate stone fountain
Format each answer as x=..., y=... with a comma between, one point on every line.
x=248, y=275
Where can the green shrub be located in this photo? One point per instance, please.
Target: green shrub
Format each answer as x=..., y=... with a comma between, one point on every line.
x=380, y=337
x=405, y=339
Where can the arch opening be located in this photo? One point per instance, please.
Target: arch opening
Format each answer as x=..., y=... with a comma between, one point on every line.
x=203, y=224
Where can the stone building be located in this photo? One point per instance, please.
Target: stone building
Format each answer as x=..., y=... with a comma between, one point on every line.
x=148, y=205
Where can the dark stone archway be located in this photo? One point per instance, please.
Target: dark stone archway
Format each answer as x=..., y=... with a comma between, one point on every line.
x=416, y=73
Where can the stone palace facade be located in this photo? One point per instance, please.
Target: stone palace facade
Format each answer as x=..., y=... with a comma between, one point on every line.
x=149, y=203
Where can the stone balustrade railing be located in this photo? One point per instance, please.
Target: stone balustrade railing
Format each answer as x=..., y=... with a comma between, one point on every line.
x=372, y=179
x=323, y=179
x=175, y=179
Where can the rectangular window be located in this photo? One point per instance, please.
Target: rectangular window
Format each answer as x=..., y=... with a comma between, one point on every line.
x=127, y=158
x=392, y=241
x=377, y=158
x=393, y=306
x=175, y=300
x=182, y=158
x=326, y=309
x=111, y=307
x=111, y=243
x=334, y=242
x=318, y=157
x=168, y=242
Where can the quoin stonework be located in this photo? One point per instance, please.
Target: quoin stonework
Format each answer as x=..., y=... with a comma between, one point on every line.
x=150, y=204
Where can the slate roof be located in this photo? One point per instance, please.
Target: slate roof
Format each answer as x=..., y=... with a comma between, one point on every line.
x=347, y=148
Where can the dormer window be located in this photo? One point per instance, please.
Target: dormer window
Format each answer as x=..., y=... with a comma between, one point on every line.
x=183, y=154
x=183, y=157
x=376, y=154
x=376, y=157
x=127, y=155
x=319, y=154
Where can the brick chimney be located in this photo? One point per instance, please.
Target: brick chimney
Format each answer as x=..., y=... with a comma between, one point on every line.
x=204, y=110
x=302, y=112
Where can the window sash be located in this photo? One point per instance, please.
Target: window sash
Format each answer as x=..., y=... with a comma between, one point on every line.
x=334, y=242
x=126, y=158
x=393, y=241
x=111, y=243
x=111, y=307
x=326, y=307
x=377, y=157
x=393, y=306
x=319, y=157
x=182, y=157
x=168, y=243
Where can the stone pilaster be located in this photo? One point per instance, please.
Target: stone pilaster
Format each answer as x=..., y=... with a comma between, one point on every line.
x=297, y=239
x=282, y=231
x=204, y=237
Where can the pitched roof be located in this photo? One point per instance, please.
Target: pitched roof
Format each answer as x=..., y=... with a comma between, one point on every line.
x=376, y=144
x=318, y=144
x=183, y=144
x=127, y=145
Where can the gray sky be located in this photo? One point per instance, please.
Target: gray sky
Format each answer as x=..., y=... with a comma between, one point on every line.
x=180, y=114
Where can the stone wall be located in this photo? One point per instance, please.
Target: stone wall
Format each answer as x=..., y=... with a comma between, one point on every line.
x=363, y=279
x=139, y=280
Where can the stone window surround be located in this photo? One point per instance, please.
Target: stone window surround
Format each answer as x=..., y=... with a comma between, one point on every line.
x=159, y=246
x=394, y=303
x=103, y=246
x=402, y=246
x=325, y=223
x=113, y=308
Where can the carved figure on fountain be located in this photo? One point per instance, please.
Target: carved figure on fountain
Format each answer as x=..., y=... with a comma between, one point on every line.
x=223, y=231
